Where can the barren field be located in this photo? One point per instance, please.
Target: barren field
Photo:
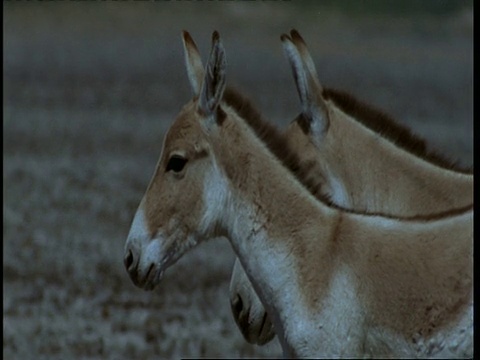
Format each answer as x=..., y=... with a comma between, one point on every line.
x=89, y=91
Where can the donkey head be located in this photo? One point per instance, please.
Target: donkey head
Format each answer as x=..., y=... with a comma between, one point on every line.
x=182, y=202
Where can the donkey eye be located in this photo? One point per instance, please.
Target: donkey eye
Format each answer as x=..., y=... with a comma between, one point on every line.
x=176, y=163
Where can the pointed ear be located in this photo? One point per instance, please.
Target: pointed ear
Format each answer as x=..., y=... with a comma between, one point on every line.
x=310, y=91
x=213, y=84
x=193, y=62
x=306, y=57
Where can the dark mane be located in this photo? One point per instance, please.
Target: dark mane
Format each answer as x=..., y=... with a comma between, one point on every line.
x=277, y=144
x=275, y=141
x=381, y=123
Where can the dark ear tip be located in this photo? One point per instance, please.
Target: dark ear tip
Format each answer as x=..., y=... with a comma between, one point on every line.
x=284, y=37
x=296, y=35
x=215, y=36
x=186, y=36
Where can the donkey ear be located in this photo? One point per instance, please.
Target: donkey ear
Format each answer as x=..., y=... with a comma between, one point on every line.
x=213, y=85
x=193, y=62
x=309, y=89
x=305, y=56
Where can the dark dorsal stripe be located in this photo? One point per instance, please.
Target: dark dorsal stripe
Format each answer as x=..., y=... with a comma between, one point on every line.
x=277, y=144
x=383, y=124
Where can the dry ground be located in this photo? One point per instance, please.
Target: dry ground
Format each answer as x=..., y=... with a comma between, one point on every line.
x=89, y=90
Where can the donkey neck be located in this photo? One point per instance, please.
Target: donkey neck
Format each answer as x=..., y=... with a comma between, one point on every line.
x=303, y=256
x=419, y=185
x=279, y=231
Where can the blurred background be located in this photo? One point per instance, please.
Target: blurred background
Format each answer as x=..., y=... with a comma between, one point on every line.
x=89, y=91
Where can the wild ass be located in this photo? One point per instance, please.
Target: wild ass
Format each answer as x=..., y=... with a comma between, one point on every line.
x=336, y=283
x=360, y=159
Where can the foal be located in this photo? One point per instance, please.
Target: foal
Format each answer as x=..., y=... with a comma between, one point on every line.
x=336, y=283
x=360, y=159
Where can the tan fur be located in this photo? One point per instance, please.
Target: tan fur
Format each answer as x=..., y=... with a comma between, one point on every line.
x=382, y=166
x=181, y=138
x=405, y=283
x=298, y=250
x=381, y=177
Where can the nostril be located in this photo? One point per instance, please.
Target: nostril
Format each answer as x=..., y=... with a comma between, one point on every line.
x=128, y=260
x=237, y=305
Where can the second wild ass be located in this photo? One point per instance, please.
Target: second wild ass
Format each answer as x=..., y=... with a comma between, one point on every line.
x=360, y=159
x=336, y=283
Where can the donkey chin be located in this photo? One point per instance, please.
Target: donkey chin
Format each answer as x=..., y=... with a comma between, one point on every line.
x=146, y=264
